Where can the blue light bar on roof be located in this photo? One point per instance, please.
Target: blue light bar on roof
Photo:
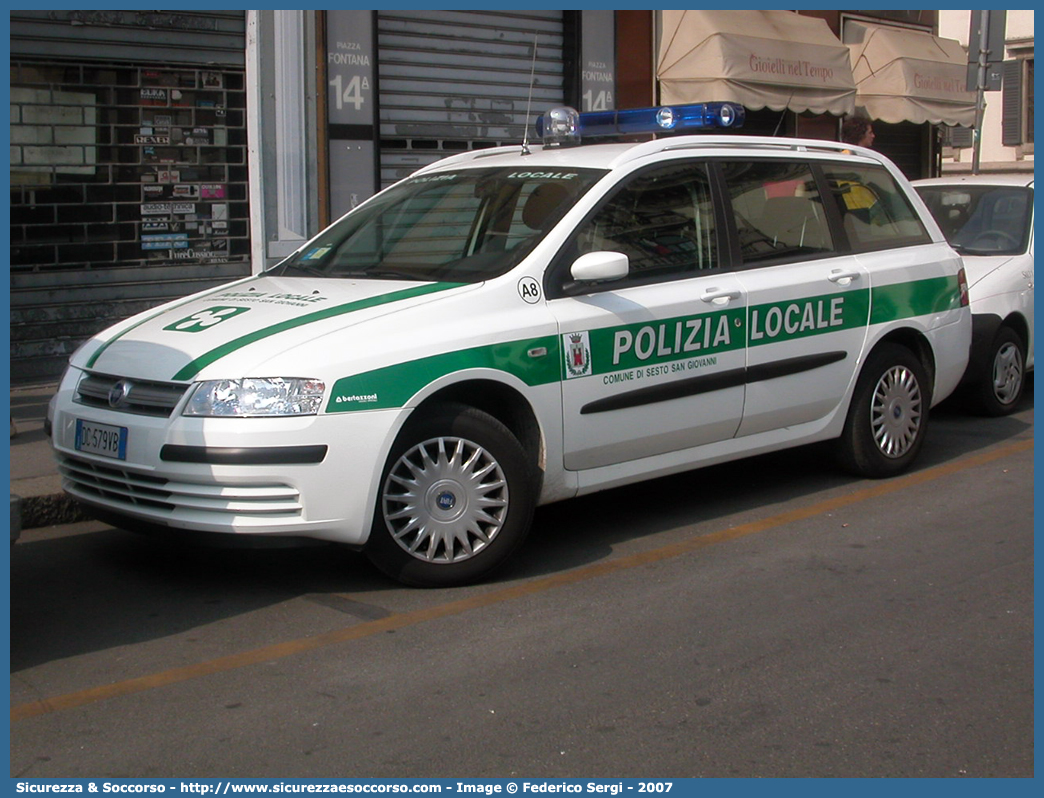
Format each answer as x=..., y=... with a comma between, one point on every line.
x=566, y=126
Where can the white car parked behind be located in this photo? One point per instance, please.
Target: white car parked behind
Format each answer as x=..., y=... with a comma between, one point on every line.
x=988, y=219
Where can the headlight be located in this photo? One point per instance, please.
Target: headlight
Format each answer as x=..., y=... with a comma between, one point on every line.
x=275, y=396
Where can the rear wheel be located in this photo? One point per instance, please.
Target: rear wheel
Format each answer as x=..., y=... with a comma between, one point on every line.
x=888, y=416
x=456, y=499
x=999, y=389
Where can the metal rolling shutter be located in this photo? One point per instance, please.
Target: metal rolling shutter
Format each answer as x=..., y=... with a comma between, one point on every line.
x=114, y=114
x=183, y=37
x=457, y=80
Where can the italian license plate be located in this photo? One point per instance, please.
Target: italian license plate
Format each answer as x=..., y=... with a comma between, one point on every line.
x=101, y=439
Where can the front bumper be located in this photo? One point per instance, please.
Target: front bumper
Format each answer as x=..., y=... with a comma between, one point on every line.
x=311, y=476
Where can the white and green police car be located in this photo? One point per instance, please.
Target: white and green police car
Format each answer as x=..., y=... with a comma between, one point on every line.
x=516, y=326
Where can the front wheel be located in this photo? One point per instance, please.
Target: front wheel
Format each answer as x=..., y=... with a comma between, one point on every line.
x=456, y=499
x=888, y=416
x=999, y=387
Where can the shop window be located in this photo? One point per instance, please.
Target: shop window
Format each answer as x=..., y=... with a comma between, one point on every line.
x=125, y=165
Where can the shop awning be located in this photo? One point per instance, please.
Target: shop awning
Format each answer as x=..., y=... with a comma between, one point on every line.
x=760, y=59
x=907, y=76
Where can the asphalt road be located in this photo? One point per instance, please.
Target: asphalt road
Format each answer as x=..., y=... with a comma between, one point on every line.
x=768, y=618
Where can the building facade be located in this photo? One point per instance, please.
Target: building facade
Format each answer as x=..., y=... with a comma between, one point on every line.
x=159, y=153
x=128, y=170
x=1007, y=130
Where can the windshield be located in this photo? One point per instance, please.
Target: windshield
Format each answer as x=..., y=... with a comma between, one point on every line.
x=463, y=226
x=982, y=220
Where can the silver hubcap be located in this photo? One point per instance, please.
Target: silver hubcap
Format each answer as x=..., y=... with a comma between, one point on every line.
x=895, y=413
x=1007, y=374
x=445, y=500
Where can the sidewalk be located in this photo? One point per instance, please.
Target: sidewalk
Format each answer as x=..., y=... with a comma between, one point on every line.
x=34, y=475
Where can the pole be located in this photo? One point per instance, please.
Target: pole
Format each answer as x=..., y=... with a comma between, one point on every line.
x=980, y=100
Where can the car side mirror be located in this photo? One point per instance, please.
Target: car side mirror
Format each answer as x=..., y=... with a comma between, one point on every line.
x=598, y=266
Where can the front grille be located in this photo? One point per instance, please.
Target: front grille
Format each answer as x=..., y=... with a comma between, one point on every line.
x=109, y=485
x=120, y=488
x=137, y=396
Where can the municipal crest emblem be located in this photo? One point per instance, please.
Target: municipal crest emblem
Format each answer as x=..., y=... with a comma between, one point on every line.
x=577, y=351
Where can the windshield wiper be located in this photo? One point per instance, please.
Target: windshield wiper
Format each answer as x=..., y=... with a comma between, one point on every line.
x=380, y=274
x=964, y=249
x=301, y=267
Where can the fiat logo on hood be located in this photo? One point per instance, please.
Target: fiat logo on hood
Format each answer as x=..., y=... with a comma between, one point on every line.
x=119, y=393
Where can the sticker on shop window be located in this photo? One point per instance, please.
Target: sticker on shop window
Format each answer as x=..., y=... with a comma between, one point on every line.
x=205, y=319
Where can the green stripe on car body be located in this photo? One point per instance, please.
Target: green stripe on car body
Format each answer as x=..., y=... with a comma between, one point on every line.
x=647, y=343
x=201, y=362
x=535, y=361
x=622, y=347
x=917, y=298
x=799, y=318
x=166, y=309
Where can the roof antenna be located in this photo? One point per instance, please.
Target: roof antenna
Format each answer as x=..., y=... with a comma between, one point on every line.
x=782, y=115
x=529, y=100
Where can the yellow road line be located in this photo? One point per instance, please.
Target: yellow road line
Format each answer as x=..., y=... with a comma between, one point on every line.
x=405, y=619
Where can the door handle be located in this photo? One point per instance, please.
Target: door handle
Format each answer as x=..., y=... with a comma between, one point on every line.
x=842, y=277
x=719, y=297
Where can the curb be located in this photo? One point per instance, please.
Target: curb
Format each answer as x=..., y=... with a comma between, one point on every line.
x=16, y=518
x=48, y=510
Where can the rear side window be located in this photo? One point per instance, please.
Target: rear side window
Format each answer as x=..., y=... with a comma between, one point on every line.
x=777, y=211
x=875, y=212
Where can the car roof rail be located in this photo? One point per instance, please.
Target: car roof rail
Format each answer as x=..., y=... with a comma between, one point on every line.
x=465, y=157
x=767, y=143
x=676, y=143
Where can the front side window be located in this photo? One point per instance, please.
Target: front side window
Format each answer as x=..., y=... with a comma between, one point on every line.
x=982, y=220
x=777, y=211
x=463, y=226
x=875, y=212
x=662, y=219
